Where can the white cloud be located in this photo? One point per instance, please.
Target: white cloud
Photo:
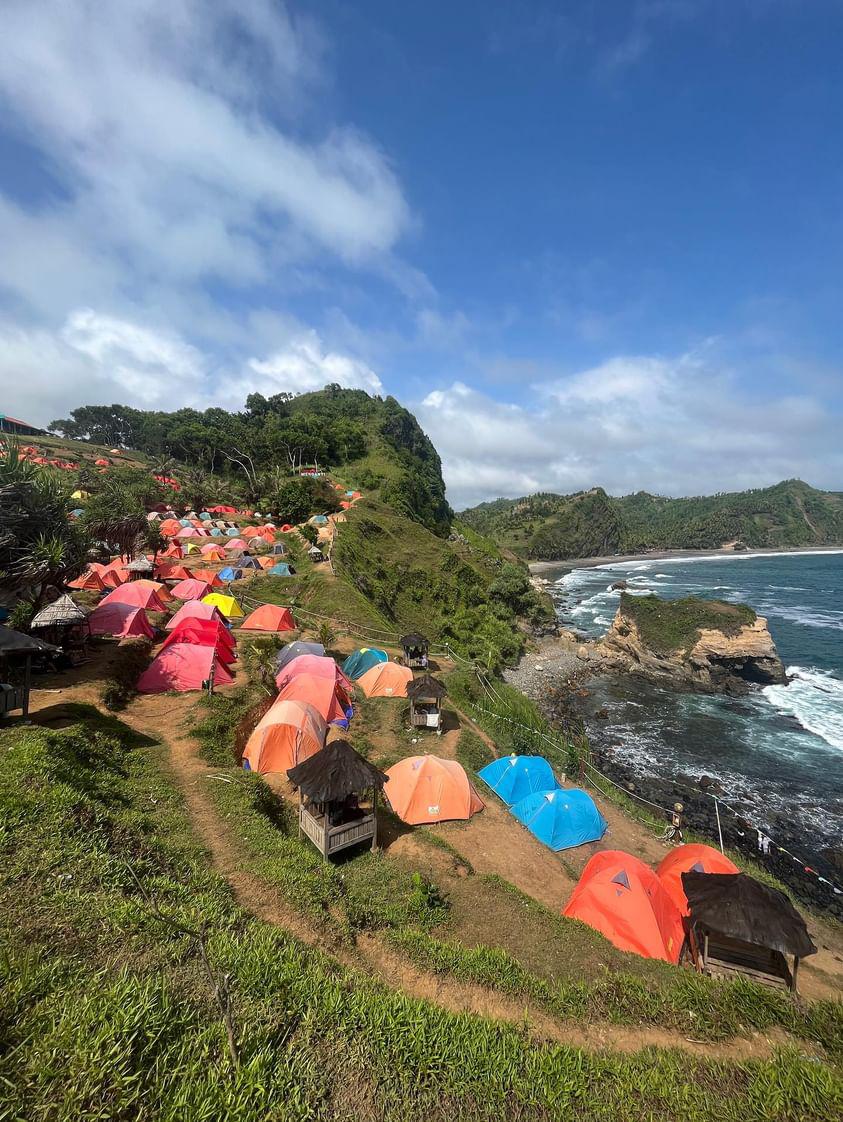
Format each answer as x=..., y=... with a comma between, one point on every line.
x=303, y=365
x=672, y=426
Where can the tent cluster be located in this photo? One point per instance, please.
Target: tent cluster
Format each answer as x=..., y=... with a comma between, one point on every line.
x=560, y=817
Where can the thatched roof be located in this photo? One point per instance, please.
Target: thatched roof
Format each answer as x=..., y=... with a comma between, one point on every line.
x=414, y=640
x=424, y=687
x=140, y=565
x=61, y=613
x=15, y=642
x=743, y=908
x=334, y=773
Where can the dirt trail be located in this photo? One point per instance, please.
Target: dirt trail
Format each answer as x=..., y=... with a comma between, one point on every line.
x=165, y=716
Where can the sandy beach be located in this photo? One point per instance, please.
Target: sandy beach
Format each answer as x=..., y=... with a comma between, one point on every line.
x=540, y=567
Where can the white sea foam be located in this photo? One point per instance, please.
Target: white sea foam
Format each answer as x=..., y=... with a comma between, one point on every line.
x=815, y=698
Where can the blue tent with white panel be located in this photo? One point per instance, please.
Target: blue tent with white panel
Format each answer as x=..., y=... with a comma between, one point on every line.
x=562, y=818
x=513, y=778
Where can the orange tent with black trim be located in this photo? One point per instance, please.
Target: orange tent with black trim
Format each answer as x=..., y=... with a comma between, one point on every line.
x=690, y=859
x=429, y=789
x=287, y=734
x=269, y=617
x=623, y=899
x=386, y=679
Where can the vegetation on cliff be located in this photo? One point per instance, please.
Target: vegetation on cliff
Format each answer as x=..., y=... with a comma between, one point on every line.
x=668, y=626
x=550, y=527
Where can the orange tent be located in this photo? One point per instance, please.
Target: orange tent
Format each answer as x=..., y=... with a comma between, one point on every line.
x=429, y=789
x=326, y=697
x=173, y=550
x=173, y=572
x=622, y=898
x=90, y=580
x=267, y=562
x=208, y=576
x=140, y=594
x=170, y=527
x=114, y=575
x=269, y=617
x=687, y=859
x=250, y=532
x=289, y=732
x=387, y=679
x=212, y=553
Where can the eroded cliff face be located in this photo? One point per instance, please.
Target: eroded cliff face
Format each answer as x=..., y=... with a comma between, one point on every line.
x=714, y=663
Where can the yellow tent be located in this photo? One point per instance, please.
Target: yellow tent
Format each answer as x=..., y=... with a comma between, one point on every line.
x=225, y=604
x=193, y=548
x=80, y=495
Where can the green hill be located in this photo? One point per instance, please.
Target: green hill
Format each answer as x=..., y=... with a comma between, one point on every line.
x=549, y=527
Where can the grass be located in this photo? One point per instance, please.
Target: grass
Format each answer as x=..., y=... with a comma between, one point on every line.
x=666, y=626
x=107, y=1012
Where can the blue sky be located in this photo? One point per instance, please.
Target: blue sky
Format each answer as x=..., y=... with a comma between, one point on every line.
x=588, y=243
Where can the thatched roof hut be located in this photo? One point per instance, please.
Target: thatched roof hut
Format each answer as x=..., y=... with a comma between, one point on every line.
x=14, y=647
x=63, y=612
x=140, y=567
x=426, y=688
x=416, y=647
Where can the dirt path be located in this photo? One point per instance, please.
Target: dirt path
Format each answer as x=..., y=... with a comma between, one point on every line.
x=527, y=864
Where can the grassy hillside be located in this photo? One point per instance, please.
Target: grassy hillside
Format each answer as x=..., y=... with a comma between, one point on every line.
x=552, y=527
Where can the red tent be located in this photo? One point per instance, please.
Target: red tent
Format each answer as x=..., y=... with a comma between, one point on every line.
x=191, y=589
x=173, y=572
x=114, y=575
x=170, y=527
x=221, y=510
x=119, y=620
x=183, y=666
x=139, y=594
x=623, y=898
x=194, y=609
x=173, y=550
x=269, y=617
x=205, y=633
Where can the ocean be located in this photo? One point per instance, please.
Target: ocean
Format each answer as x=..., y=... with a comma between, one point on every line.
x=777, y=753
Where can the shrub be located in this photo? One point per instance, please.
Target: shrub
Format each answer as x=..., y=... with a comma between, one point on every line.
x=130, y=660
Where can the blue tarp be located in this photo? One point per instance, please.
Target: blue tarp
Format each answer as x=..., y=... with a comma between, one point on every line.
x=293, y=650
x=360, y=661
x=513, y=778
x=562, y=818
x=230, y=573
x=282, y=569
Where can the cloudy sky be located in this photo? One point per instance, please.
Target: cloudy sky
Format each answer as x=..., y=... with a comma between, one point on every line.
x=588, y=243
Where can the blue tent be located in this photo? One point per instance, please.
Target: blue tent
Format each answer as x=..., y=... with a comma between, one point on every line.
x=216, y=532
x=249, y=562
x=513, y=778
x=230, y=573
x=562, y=818
x=77, y=512
x=282, y=569
x=185, y=522
x=319, y=520
x=349, y=494
x=233, y=531
x=356, y=665
x=293, y=650
x=205, y=516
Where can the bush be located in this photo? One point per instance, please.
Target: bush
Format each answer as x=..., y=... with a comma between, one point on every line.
x=130, y=660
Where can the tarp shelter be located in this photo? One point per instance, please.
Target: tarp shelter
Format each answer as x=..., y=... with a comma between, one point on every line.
x=191, y=589
x=387, y=679
x=513, y=778
x=226, y=604
x=183, y=666
x=326, y=697
x=360, y=661
x=90, y=581
x=321, y=666
x=269, y=617
x=690, y=859
x=194, y=609
x=561, y=818
x=120, y=620
x=739, y=925
x=293, y=650
x=287, y=734
x=428, y=789
x=229, y=573
x=622, y=898
x=138, y=595
x=281, y=569
x=205, y=633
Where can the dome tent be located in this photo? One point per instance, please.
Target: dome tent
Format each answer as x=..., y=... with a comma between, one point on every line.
x=357, y=663
x=119, y=621
x=293, y=650
x=428, y=789
x=194, y=609
x=181, y=667
x=269, y=617
x=513, y=778
x=690, y=859
x=561, y=818
x=288, y=733
x=387, y=679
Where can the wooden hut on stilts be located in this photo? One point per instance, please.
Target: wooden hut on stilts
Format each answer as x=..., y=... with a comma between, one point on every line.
x=425, y=694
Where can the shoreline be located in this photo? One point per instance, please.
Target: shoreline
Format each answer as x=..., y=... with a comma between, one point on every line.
x=537, y=568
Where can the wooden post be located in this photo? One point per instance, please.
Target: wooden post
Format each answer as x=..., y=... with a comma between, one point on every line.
x=375, y=817
x=27, y=678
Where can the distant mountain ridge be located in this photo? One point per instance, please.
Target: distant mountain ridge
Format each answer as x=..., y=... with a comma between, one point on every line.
x=551, y=527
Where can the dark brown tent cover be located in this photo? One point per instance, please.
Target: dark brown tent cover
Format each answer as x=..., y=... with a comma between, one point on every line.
x=414, y=640
x=335, y=773
x=737, y=905
x=426, y=687
x=15, y=642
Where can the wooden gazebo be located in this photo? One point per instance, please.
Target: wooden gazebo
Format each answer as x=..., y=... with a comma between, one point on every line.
x=425, y=694
x=331, y=785
x=16, y=649
x=416, y=648
x=737, y=925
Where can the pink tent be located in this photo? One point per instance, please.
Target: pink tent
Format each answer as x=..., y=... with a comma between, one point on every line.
x=183, y=666
x=187, y=532
x=318, y=666
x=119, y=620
x=212, y=552
x=191, y=589
x=137, y=596
x=194, y=609
x=235, y=543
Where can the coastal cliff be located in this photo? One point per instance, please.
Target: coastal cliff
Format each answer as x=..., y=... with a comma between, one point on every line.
x=707, y=645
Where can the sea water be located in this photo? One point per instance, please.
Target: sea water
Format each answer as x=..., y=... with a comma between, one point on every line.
x=777, y=752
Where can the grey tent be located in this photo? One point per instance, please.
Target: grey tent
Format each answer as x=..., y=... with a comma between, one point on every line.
x=293, y=650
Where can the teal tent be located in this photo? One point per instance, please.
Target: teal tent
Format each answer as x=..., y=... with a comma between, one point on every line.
x=356, y=665
x=282, y=569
